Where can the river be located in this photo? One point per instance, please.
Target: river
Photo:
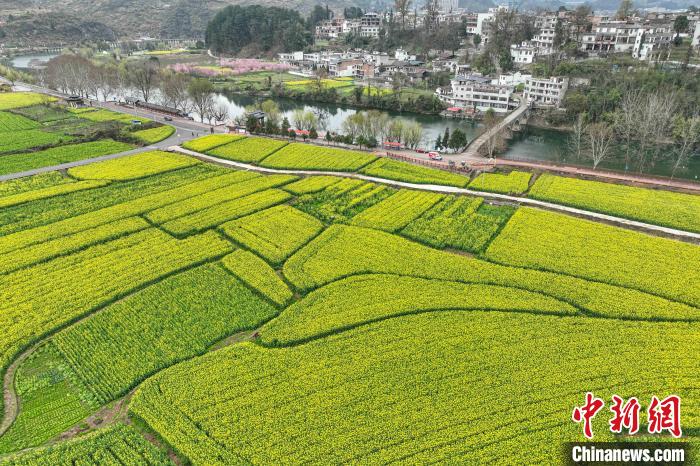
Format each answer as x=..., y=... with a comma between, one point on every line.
x=533, y=144
x=24, y=61
x=551, y=146
x=334, y=115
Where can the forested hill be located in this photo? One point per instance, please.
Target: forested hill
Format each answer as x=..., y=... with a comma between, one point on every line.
x=151, y=18
x=257, y=29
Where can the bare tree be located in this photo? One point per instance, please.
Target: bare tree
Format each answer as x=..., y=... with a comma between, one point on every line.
x=576, y=140
x=413, y=134
x=68, y=74
x=653, y=125
x=108, y=77
x=173, y=87
x=686, y=132
x=626, y=119
x=599, y=138
x=143, y=75
x=220, y=112
x=320, y=73
x=402, y=7
x=432, y=12
x=201, y=93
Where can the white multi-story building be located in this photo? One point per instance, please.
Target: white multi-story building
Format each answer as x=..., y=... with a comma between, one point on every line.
x=524, y=53
x=623, y=37
x=546, y=21
x=370, y=24
x=513, y=79
x=476, y=92
x=402, y=55
x=696, y=35
x=548, y=92
x=544, y=41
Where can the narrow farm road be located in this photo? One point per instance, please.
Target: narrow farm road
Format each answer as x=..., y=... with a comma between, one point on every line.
x=656, y=229
x=11, y=400
x=178, y=137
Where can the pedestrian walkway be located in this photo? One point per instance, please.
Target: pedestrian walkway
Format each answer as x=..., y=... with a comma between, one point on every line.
x=473, y=148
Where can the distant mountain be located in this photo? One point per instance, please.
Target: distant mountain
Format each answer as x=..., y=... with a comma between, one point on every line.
x=52, y=28
x=45, y=21
x=141, y=18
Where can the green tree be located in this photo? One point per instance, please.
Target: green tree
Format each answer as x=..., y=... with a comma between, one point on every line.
x=201, y=92
x=313, y=134
x=458, y=140
x=284, y=128
x=680, y=24
x=446, y=138
x=256, y=28
x=357, y=93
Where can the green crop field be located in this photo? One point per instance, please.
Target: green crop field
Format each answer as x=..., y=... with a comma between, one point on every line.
x=153, y=135
x=9, y=100
x=57, y=155
x=402, y=171
x=132, y=166
x=15, y=141
x=108, y=115
x=306, y=157
x=248, y=150
x=207, y=143
x=157, y=310
x=45, y=133
x=666, y=208
x=12, y=122
x=514, y=182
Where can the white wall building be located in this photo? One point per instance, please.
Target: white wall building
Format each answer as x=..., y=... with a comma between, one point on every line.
x=402, y=55
x=623, y=37
x=370, y=24
x=544, y=41
x=477, y=92
x=513, y=79
x=696, y=35
x=548, y=92
x=523, y=54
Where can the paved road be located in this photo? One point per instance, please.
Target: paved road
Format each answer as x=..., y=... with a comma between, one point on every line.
x=184, y=131
x=695, y=237
x=178, y=137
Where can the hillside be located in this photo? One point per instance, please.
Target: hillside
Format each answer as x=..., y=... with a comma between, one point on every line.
x=139, y=18
x=52, y=28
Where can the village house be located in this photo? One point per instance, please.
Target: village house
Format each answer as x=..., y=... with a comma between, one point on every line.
x=476, y=92
x=626, y=37
x=546, y=92
x=523, y=53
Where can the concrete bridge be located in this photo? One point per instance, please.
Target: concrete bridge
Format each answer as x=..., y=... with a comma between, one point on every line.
x=513, y=122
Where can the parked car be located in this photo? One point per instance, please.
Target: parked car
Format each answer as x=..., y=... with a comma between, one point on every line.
x=168, y=118
x=136, y=122
x=434, y=155
x=421, y=151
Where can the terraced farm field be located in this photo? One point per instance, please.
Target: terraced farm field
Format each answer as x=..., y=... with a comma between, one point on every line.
x=37, y=132
x=161, y=310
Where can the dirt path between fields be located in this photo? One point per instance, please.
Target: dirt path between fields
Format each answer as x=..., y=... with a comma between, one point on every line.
x=11, y=401
x=109, y=414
